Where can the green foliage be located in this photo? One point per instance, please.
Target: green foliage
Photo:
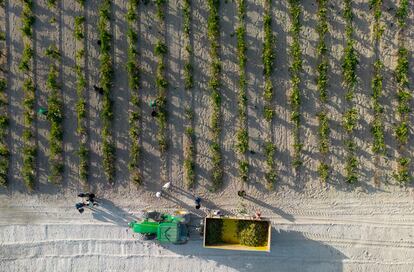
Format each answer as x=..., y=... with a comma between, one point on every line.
x=350, y=117
x=349, y=65
x=350, y=120
x=268, y=61
x=322, y=84
x=253, y=234
x=378, y=29
x=189, y=160
x=189, y=148
x=52, y=3
x=402, y=13
x=132, y=68
x=242, y=144
x=106, y=73
x=295, y=69
x=81, y=105
x=29, y=149
x=27, y=18
x=160, y=48
x=402, y=132
x=4, y=124
x=213, y=33
x=377, y=125
x=271, y=174
x=243, y=170
x=324, y=132
x=52, y=52
x=403, y=95
x=29, y=165
x=351, y=166
x=79, y=27
x=402, y=174
x=214, y=232
x=323, y=170
x=81, y=2
x=27, y=58
x=55, y=116
x=160, y=9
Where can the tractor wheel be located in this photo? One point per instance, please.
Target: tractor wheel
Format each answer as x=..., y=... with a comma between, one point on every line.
x=149, y=236
x=154, y=215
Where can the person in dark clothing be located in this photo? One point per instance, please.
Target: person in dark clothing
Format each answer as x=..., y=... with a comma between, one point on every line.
x=79, y=207
x=43, y=111
x=241, y=193
x=153, y=105
x=99, y=42
x=90, y=200
x=197, y=201
x=99, y=90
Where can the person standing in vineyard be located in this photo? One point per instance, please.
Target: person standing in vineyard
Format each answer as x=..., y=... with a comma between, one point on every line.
x=153, y=105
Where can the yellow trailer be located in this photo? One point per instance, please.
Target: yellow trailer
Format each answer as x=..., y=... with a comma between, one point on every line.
x=237, y=234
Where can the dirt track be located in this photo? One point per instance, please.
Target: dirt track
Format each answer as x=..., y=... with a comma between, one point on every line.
x=310, y=235
x=317, y=227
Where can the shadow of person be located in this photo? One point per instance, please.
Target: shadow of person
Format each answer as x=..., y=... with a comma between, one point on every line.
x=108, y=212
x=290, y=251
x=265, y=205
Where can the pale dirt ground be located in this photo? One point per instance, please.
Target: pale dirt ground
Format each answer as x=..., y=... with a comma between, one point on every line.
x=317, y=227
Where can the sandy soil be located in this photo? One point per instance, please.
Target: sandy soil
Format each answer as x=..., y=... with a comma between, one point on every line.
x=317, y=227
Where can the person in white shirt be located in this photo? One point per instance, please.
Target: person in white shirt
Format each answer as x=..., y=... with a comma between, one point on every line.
x=158, y=194
x=166, y=186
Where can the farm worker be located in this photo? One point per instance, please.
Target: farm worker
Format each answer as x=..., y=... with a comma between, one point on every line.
x=197, y=201
x=217, y=213
x=258, y=215
x=97, y=89
x=241, y=193
x=42, y=111
x=158, y=194
x=166, y=186
x=153, y=105
x=79, y=207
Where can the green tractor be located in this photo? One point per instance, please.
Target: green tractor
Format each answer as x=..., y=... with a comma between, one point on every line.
x=166, y=228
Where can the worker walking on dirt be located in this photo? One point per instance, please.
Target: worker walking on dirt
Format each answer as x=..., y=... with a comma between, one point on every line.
x=79, y=207
x=241, y=193
x=99, y=90
x=166, y=186
x=217, y=213
x=43, y=111
x=153, y=105
x=158, y=194
x=197, y=202
x=90, y=201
